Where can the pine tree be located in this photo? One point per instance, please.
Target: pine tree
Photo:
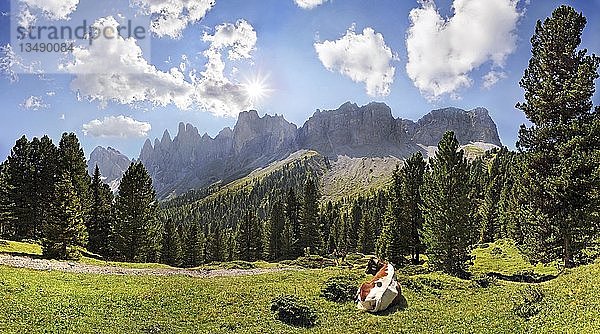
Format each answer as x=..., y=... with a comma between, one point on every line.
x=20, y=175
x=366, y=235
x=488, y=210
x=214, y=245
x=310, y=234
x=447, y=228
x=171, y=245
x=193, y=254
x=99, y=224
x=353, y=224
x=409, y=183
x=136, y=230
x=65, y=228
x=274, y=232
x=6, y=208
x=72, y=162
x=513, y=200
x=248, y=238
x=44, y=161
x=287, y=241
x=561, y=147
x=292, y=214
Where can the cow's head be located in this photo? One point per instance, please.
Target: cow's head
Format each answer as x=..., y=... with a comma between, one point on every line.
x=374, y=266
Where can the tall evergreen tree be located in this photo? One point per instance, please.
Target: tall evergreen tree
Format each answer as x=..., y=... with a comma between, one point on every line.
x=72, y=162
x=274, y=232
x=214, y=245
x=99, y=224
x=366, y=235
x=248, y=238
x=409, y=198
x=5, y=205
x=44, y=161
x=488, y=210
x=287, y=241
x=447, y=228
x=65, y=229
x=310, y=234
x=136, y=230
x=20, y=174
x=563, y=142
x=171, y=245
x=193, y=254
x=292, y=214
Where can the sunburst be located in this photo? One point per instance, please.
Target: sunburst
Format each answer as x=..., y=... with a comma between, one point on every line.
x=256, y=89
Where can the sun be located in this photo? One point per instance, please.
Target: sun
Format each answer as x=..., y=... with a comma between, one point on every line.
x=256, y=89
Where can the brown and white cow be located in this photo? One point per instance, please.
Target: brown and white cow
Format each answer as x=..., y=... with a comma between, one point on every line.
x=382, y=290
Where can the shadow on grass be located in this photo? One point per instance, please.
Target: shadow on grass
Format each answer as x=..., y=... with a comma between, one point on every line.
x=400, y=305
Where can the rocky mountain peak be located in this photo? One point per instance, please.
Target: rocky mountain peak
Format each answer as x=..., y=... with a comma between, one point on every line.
x=111, y=162
x=190, y=160
x=474, y=125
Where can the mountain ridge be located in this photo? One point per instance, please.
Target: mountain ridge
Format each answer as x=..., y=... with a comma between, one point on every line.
x=190, y=160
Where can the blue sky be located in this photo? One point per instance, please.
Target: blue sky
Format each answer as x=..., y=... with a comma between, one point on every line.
x=295, y=54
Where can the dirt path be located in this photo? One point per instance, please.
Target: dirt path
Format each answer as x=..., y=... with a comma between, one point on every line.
x=80, y=268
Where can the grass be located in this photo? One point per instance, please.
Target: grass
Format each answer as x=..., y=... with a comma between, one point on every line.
x=22, y=248
x=504, y=257
x=96, y=262
x=53, y=302
x=15, y=247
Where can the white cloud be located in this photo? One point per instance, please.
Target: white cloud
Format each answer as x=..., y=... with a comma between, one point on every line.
x=361, y=57
x=309, y=4
x=443, y=52
x=491, y=78
x=34, y=103
x=115, y=70
x=51, y=9
x=117, y=126
x=11, y=64
x=216, y=92
x=171, y=17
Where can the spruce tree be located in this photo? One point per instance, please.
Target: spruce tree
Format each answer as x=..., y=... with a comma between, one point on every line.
x=287, y=241
x=65, y=229
x=366, y=235
x=72, y=161
x=99, y=224
x=248, y=238
x=488, y=210
x=20, y=175
x=6, y=208
x=136, y=230
x=353, y=224
x=408, y=184
x=561, y=147
x=193, y=254
x=214, y=245
x=310, y=234
x=447, y=227
x=274, y=232
x=171, y=245
x=44, y=161
x=292, y=214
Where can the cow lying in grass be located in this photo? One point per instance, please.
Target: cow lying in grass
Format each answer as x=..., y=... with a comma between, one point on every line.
x=382, y=290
